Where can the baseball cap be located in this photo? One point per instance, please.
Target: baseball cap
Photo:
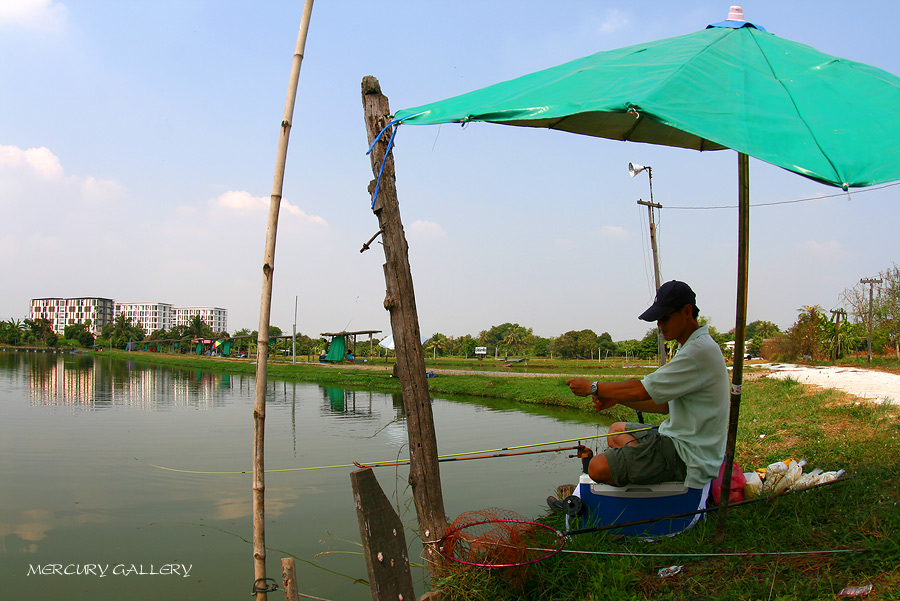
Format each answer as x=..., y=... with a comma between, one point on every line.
x=671, y=295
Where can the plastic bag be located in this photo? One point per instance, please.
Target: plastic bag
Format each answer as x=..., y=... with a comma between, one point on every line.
x=815, y=477
x=753, y=486
x=737, y=484
x=791, y=475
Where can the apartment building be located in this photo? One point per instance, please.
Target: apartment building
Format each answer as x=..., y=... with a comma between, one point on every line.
x=149, y=316
x=214, y=317
x=62, y=312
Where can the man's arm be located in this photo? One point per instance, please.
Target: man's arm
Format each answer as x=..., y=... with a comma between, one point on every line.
x=630, y=393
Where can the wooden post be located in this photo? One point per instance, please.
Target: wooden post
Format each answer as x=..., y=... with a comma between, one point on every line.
x=289, y=579
x=400, y=300
x=740, y=328
x=383, y=539
x=265, y=311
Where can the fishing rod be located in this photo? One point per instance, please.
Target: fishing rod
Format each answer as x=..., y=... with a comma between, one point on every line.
x=395, y=462
x=443, y=459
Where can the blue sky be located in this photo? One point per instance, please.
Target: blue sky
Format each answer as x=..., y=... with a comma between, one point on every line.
x=138, y=142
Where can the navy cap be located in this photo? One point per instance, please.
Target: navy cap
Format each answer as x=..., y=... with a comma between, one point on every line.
x=670, y=296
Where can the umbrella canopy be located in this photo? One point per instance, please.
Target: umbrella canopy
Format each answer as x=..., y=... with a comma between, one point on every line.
x=732, y=85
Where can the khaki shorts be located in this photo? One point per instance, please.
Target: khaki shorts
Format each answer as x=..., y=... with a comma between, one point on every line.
x=653, y=460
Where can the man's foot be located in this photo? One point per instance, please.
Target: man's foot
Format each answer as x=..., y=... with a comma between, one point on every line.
x=556, y=505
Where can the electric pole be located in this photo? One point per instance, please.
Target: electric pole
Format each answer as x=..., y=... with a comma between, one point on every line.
x=871, y=282
x=632, y=171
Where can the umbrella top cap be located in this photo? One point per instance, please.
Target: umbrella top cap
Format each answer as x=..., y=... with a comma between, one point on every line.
x=736, y=20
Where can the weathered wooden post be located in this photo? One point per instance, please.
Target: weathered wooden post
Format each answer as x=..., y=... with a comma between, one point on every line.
x=289, y=579
x=383, y=539
x=400, y=300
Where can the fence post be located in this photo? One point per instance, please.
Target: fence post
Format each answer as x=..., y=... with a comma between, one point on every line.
x=383, y=540
x=289, y=579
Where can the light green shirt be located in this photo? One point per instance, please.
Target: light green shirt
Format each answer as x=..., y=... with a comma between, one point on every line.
x=695, y=385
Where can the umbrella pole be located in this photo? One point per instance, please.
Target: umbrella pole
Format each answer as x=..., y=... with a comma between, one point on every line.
x=740, y=326
x=260, y=588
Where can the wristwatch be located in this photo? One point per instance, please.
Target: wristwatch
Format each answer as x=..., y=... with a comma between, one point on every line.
x=593, y=389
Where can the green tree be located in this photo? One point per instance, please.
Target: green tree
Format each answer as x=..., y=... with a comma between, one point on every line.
x=806, y=338
x=41, y=331
x=80, y=333
x=437, y=344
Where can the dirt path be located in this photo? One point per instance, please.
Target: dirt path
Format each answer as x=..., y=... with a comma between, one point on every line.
x=864, y=383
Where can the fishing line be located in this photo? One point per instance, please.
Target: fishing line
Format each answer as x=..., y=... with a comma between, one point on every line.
x=392, y=462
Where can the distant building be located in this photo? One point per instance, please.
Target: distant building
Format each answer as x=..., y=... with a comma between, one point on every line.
x=62, y=312
x=149, y=316
x=215, y=317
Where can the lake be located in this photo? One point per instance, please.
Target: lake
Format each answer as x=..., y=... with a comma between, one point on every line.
x=92, y=507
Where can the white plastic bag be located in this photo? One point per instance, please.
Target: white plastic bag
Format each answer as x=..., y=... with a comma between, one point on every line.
x=753, y=486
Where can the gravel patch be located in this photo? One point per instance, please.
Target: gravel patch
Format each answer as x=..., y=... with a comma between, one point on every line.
x=864, y=383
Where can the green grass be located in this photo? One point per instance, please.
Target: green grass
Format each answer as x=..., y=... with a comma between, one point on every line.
x=779, y=419
x=861, y=513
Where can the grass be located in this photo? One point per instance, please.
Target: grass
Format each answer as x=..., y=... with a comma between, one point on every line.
x=824, y=427
x=779, y=419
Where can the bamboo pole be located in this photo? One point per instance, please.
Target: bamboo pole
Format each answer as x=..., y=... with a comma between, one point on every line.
x=265, y=311
x=740, y=327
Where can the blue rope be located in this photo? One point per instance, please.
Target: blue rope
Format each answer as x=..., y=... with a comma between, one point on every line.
x=384, y=158
x=396, y=125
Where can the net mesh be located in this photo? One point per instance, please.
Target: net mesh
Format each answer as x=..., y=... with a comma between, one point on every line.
x=496, y=537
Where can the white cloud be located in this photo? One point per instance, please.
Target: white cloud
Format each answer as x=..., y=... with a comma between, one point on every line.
x=613, y=231
x=39, y=161
x=822, y=251
x=242, y=202
x=614, y=21
x=426, y=230
x=35, y=15
x=96, y=190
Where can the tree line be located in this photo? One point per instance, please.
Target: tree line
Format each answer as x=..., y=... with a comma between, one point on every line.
x=815, y=334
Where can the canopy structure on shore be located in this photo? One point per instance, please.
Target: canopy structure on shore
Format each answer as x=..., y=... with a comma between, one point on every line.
x=731, y=85
x=340, y=343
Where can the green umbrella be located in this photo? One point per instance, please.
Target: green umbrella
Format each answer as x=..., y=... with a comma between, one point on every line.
x=826, y=118
x=732, y=85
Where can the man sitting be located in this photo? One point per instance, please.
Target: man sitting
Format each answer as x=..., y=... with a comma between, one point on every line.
x=692, y=389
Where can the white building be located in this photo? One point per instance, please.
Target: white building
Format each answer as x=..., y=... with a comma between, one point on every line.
x=149, y=316
x=215, y=317
x=62, y=312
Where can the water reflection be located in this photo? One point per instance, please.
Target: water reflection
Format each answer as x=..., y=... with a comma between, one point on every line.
x=82, y=475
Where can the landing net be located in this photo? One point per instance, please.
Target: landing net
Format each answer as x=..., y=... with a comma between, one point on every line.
x=499, y=538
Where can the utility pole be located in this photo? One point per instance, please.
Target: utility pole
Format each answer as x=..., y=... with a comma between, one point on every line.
x=633, y=170
x=661, y=343
x=294, y=335
x=871, y=282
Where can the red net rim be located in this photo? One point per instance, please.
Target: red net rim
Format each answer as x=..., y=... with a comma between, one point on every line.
x=550, y=552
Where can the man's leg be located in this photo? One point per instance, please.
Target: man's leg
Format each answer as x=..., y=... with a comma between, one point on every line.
x=598, y=469
x=618, y=440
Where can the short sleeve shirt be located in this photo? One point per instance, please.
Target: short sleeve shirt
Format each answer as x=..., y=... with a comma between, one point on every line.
x=695, y=385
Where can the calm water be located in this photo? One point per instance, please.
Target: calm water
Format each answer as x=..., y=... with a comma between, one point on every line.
x=79, y=439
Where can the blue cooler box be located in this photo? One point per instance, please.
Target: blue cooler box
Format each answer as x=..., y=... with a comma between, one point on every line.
x=606, y=505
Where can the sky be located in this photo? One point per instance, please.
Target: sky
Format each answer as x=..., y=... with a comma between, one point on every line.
x=138, y=142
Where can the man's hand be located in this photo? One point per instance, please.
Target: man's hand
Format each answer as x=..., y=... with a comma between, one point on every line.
x=603, y=403
x=579, y=386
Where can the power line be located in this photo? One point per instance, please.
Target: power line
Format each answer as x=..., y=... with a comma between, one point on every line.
x=784, y=202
